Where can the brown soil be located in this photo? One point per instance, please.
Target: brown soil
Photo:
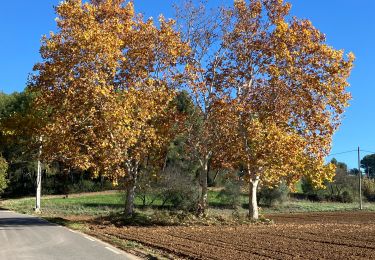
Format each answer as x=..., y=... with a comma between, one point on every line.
x=339, y=235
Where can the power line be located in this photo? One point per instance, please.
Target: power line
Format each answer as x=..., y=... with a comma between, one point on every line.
x=351, y=151
x=341, y=153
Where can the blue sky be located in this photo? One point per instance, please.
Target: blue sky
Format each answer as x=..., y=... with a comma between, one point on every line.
x=348, y=24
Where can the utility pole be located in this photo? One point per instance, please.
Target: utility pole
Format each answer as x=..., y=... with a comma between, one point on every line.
x=39, y=178
x=360, y=181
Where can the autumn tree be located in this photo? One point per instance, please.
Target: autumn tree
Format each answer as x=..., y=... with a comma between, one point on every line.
x=105, y=85
x=288, y=91
x=201, y=29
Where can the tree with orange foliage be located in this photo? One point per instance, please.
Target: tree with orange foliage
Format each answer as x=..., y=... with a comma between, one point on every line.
x=288, y=91
x=105, y=85
x=202, y=31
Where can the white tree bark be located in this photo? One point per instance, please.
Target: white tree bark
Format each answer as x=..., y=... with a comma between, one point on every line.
x=39, y=179
x=253, y=203
x=203, y=201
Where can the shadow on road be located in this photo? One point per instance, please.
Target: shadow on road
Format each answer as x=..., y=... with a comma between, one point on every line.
x=22, y=221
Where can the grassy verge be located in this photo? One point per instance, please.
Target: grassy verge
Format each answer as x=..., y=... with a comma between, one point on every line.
x=83, y=212
x=93, y=205
x=102, y=205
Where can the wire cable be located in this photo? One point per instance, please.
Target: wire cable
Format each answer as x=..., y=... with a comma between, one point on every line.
x=341, y=153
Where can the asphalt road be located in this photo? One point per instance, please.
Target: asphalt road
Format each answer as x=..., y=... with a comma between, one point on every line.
x=27, y=237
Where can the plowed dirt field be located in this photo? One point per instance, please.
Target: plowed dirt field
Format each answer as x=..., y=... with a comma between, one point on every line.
x=345, y=235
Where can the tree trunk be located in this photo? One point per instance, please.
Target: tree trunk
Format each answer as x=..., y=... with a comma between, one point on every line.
x=130, y=189
x=130, y=195
x=209, y=181
x=203, y=204
x=215, y=177
x=39, y=179
x=204, y=195
x=253, y=203
x=101, y=181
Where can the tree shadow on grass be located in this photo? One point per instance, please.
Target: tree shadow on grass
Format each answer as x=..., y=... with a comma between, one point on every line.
x=104, y=205
x=220, y=205
x=120, y=206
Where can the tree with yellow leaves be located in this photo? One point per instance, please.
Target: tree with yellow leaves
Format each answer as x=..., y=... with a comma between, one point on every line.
x=202, y=31
x=105, y=85
x=288, y=92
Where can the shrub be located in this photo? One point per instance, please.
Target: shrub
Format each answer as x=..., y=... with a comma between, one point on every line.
x=176, y=189
x=231, y=194
x=369, y=190
x=347, y=197
x=84, y=186
x=270, y=196
x=3, y=174
x=340, y=190
x=307, y=187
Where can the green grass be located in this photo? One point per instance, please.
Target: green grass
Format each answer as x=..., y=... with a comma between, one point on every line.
x=105, y=204
x=309, y=206
x=92, y=205
x=85, y=205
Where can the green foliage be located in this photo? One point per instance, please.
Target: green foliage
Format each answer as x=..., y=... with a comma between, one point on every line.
x=184, y=103
x=174, y=188
x=84, y=186
x=307, y=187
x=270, y=196
x=369, y=189
x=17, y=144
x=342, y=189
x=344, y=186
x=177, y=189
x=347, y=197
x=231, y=194
x=368, y=162
x=3, y=174
x=91, y=205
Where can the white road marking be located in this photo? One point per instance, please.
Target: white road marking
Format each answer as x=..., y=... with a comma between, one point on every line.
x=111, y=249
x=89, y=238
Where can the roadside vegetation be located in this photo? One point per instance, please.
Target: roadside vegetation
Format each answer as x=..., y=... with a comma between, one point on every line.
x=100, y=215
x=214, y=120
x=162, y=109
x=110, y=204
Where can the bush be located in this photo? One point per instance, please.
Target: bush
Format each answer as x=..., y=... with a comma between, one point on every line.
x=178, y=190
x=340, y=190
x=270, y=196
x=3, y=174
x=174, y=188
x=231, y=194
x=84, y=186
x=346, y=197
x=369, y=190
x=307, y=187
